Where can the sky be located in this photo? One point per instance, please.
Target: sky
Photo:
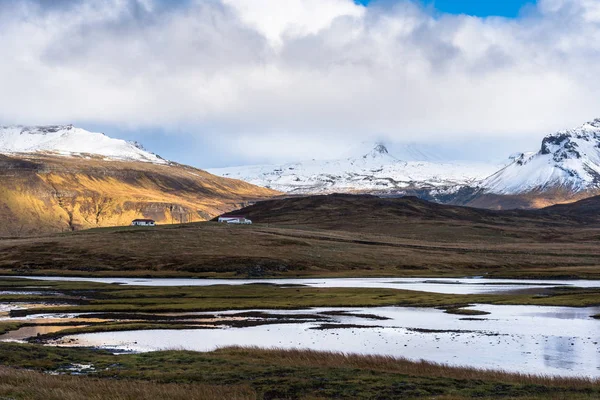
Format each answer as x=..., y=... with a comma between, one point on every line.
x=479, y=8
x=230, y=82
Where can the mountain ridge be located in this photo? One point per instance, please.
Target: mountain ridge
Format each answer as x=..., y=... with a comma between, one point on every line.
x=565, y=168
x=62, y=178
x=375, y=171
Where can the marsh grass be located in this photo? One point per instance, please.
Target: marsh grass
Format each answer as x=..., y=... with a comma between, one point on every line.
x=6, y=327
x=277, y=374
x=465, y=311
x=31, y=385
x=270, y=374
x=402, y=366
x=114, y=327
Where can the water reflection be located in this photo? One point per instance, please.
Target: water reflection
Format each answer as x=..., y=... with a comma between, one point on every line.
x=560, y=352
x=32, y=331
x=515, y=338
x=435, y=285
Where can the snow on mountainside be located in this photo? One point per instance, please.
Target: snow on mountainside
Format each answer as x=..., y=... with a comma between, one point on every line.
x=375, y=171
x=68, y=140
x=568, y=160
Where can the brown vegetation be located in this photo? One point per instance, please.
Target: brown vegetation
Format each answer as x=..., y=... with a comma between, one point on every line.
x=373, y=214
x=531, y=200
x=30, y=385
x=400, y=366
x=266, y=374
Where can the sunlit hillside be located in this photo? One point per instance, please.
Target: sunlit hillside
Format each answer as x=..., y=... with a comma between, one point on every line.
x=47, y=193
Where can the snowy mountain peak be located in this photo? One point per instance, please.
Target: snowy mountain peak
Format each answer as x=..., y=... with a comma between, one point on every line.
x=572, y=143
x=137, y=144
x=377, y=171
x=380, y=148
x=568, y=159
x=68, y=140
x=595, y=124
x=561, y=146
x=43, y=130
x=377, y=152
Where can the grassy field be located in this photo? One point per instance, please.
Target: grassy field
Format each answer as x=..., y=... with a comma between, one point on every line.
x=263, y=374
x=214, y=250
x=330, y=236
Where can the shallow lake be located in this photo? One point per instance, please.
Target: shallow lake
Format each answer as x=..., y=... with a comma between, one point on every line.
x=435, y=285
x=528, y=339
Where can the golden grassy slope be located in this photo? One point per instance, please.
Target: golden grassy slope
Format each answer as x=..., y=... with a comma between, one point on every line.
x=45, y=193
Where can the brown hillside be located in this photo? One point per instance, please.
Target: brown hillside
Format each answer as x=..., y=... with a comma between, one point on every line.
x=585, y=210
x=44, y=193
x=366, y=213
x=338, y=235
x=525, y=201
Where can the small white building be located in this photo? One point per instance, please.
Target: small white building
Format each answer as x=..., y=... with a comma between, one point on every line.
x=235, y=219
x=143, y=222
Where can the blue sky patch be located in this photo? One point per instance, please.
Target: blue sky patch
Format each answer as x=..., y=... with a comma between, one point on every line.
x=480, y=8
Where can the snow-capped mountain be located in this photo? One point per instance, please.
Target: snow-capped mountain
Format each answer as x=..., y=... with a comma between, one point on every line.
x=58, y=178
x=568, y=160
x=374, y=171
x=68, y=140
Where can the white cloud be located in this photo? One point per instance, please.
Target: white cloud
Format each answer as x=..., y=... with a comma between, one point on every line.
x=290, y=77
x=281, y=20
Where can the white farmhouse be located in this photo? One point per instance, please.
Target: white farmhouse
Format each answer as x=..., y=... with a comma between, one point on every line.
x=143, y=222
x=235, y=219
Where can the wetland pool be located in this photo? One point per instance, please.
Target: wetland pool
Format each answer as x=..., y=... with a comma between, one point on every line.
x=559, y=341
x=433, y=285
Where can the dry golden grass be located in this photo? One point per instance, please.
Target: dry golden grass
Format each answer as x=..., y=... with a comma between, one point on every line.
x=30, y=385
x=271, y=374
